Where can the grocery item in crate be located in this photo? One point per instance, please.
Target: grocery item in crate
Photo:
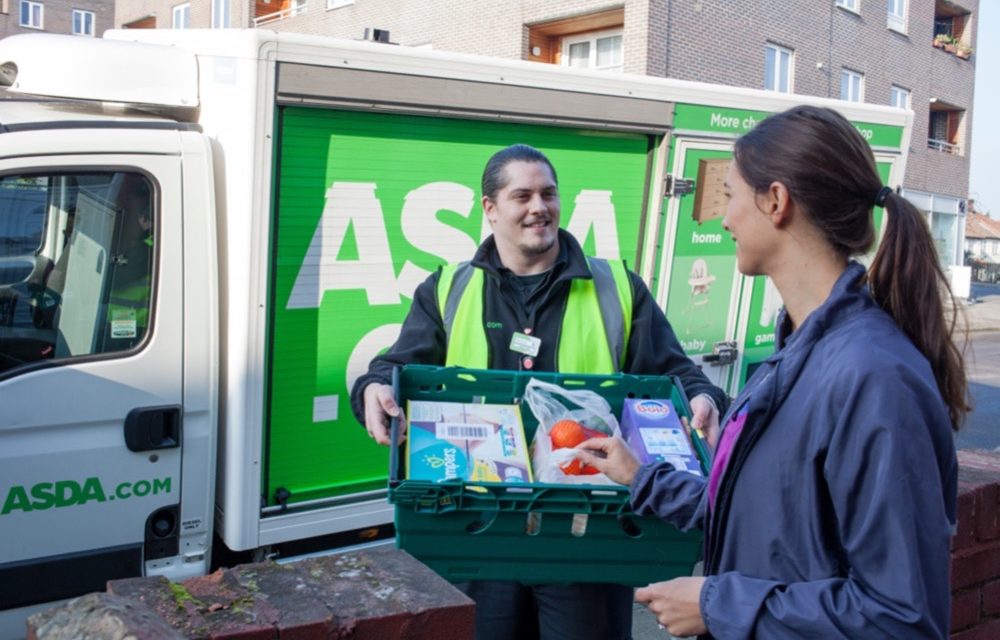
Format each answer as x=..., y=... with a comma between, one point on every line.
x=654, y=432
x=565, y=419
x=566, y=434
x=476, y=442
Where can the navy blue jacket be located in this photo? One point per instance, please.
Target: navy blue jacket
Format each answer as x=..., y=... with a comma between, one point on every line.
x=652, y=348
x=834, y=517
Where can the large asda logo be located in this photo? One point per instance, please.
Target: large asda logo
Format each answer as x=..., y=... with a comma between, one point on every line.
x=70, y=493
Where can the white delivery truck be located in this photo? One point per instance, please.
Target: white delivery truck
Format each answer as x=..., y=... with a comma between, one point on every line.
x=206, y=235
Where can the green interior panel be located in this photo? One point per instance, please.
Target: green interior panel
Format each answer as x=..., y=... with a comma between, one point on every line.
x=367, y=206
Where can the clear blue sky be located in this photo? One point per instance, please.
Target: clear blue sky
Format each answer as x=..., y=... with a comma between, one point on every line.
x=984, y=174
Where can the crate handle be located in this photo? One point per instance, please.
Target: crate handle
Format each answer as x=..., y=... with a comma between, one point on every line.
x=566, y=500
x=483, y=522
x=629, y=526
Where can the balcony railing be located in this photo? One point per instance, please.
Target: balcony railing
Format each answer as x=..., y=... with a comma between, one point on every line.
x=294, y=10
x=944, y=146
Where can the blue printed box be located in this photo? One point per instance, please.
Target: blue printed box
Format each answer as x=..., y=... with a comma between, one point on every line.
x=654, y=432
x=475, y=442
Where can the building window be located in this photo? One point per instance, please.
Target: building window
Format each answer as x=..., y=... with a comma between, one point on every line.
x=852, y=86
x=899, y=97
x=220, y=14
x=298, y=7
x=83, y=23
x=850, y=5
x=601, y=50
x=896, y=19
x=336, y=4
x=591, y=40
x=943, y=214
x=951, y=22
x=182, y=16
x=31, y=14
x=778, y=69
x=945, y=128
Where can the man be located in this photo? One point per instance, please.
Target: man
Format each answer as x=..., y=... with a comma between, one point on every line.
x=530, y=300
x=131, y=272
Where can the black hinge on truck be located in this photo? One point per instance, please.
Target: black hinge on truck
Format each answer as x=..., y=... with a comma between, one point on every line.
x=677, y=186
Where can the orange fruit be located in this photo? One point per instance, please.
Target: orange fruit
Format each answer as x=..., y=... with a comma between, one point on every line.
x=566, y=434
x=572, y=431
x=577, y=468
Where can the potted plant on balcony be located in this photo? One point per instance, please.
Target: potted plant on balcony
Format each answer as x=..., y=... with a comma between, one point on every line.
x=963, y=50
x=941, y=39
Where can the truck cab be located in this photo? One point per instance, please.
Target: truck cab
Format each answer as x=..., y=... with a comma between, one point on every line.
x=108, y=346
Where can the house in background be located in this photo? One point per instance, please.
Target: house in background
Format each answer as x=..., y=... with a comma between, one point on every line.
x=982, y=246
x=78, y=17
x=916, y=54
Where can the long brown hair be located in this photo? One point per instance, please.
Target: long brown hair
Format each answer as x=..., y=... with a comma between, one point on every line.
x=830, y=173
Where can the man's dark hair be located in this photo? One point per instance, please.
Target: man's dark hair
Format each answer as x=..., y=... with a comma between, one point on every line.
x=494, y=178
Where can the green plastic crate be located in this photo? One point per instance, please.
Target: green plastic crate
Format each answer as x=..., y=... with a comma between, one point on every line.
x=533, y=532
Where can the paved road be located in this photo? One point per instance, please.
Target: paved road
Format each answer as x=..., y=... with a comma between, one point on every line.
x=982, y=428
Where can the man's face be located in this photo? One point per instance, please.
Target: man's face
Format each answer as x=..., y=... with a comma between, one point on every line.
x=525, y=214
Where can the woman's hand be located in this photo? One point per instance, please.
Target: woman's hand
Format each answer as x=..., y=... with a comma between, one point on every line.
x=705, y=416
x=675, y=604
x=611, y=456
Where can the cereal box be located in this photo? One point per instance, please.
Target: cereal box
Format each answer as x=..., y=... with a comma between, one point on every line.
x=476, y=442
x=654, y=432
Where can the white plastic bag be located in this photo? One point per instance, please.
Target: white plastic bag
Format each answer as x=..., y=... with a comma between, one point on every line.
x=550, y=404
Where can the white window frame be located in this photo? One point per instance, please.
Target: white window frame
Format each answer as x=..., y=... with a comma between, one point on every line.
x=855, y=91
x=84, y=17
x=896, y=90
x=896, y=20
x=36, y=14
x=849, y=5
x=592, y=37
x=336, y=4
x=298, y=7
x=180, y=16
x=779, y=51
x=221, y=14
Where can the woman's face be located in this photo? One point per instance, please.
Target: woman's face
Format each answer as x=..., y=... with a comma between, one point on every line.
x=748, y=222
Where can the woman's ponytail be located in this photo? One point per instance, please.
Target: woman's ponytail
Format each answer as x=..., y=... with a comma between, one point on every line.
x=906, y=280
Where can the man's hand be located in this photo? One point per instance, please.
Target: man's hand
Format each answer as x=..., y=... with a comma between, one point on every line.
x=675, y=604
x=610, y=456
x=705, y=416
x=380, y=407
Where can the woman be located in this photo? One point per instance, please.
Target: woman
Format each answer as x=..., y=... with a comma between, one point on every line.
x=831, y=501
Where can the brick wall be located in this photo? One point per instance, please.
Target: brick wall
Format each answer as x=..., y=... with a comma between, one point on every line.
x=57, y=16
x=372, y=594
x=240, y=12
x=975, y=555
x=720, y=41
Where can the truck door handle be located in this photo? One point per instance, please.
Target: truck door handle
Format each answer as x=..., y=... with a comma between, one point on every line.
x=723, y=353
x=150, y=428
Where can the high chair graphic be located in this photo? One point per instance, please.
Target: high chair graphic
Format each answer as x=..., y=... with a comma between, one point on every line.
x=700, y=281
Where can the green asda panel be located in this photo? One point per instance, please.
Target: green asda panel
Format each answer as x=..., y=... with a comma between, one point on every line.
x=368, y=205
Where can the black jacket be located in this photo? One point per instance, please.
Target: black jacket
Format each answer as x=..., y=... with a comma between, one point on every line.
x=652, y=347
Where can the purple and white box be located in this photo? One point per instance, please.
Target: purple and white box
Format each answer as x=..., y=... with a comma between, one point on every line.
x=654, y=432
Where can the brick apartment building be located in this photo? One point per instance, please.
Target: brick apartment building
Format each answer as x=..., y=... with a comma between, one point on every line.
x=77, y=17
x=913, y=53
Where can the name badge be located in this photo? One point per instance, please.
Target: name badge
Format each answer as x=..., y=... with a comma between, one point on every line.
x=523, y=343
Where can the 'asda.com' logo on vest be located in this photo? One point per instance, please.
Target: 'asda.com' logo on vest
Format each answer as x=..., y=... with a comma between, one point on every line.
x=69, y=493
